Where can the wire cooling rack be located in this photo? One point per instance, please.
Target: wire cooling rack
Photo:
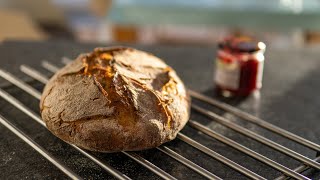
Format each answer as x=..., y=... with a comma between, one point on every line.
x=297, y=173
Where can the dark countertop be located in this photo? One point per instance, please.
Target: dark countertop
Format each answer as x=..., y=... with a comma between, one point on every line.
x=288, y=99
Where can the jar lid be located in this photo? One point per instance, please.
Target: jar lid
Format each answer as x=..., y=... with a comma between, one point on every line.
x=241, y=44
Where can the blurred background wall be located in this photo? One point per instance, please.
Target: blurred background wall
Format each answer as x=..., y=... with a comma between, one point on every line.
x=284, y=23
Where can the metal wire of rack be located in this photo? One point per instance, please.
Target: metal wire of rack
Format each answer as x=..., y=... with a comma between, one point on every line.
x=296, y=173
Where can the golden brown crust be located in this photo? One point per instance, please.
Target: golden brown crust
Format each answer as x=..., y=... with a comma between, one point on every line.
x=115, y=99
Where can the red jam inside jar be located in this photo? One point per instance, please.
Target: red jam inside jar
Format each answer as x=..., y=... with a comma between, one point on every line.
x=239, y=66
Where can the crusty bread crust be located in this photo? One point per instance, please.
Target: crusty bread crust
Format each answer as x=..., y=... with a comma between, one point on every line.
x=115, y=99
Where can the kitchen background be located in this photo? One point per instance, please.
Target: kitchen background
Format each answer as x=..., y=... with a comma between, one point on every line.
x=280, y=23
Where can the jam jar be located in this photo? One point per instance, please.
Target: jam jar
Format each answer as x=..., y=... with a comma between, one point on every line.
x=239, y=66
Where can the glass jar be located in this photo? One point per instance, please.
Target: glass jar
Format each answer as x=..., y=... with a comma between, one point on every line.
x=239, y=66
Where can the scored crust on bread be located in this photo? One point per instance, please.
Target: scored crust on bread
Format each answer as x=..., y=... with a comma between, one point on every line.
x=115, y=99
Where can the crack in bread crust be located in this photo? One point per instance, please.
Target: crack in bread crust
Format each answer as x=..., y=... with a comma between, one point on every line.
x=101, y=65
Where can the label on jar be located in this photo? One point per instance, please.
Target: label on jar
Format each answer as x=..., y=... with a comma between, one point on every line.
x=227, y=74
x=259, y=75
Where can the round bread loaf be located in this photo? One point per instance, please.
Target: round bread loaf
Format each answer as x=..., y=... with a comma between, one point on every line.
x=115, y=99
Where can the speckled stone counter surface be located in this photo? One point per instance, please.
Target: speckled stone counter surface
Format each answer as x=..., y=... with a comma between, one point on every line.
x=288, y=99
